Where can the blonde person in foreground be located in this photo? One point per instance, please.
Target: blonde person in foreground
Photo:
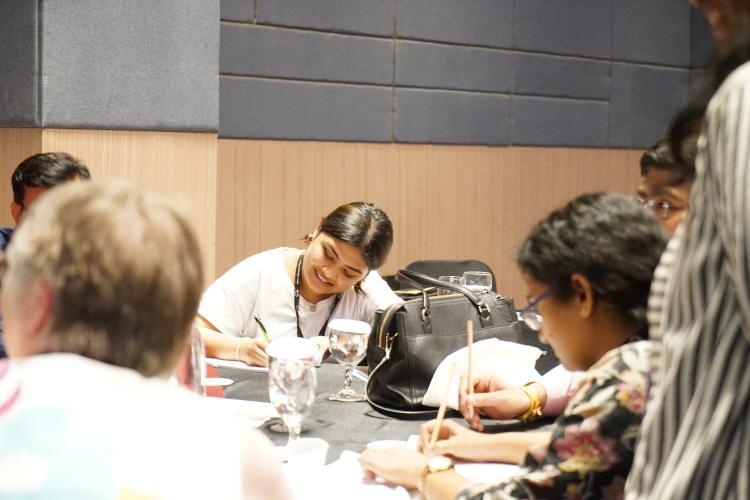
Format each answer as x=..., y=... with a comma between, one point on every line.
x=587, y=291
x=99, y=290
x=293, y=292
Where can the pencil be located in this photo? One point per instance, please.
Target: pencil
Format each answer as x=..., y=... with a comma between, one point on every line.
x=262, y=328
x=441, y=411
x=469, y=372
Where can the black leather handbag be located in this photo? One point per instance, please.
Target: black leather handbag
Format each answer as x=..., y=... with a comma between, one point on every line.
x=409, y=340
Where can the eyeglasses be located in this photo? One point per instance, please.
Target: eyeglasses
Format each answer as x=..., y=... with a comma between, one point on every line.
x=661, y=208
x=530, y=314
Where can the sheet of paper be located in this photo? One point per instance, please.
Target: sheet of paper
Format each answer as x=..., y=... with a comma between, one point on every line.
x=487, y=473
x=513, y=362
x=252, y=413
x=342, y=479
x=237, y=365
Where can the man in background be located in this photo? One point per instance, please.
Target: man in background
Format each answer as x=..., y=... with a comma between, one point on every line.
x=35, y=175
x=31, y=178
x=665, y=186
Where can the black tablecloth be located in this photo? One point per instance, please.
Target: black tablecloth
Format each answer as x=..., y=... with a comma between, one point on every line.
x=345, y=426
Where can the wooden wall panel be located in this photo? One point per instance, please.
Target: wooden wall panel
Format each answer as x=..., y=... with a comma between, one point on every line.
x=178, y=163
x=16, y=144
x=444, y=201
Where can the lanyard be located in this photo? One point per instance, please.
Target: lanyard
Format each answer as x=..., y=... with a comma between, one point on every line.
x=297, y=281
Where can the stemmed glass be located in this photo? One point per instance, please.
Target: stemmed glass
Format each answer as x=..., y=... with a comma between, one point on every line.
x=292, y=381
x=479, y=282
x=456, y=280
x=348, y=343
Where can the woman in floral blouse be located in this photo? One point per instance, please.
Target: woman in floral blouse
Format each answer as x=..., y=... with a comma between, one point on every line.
x=587, y=269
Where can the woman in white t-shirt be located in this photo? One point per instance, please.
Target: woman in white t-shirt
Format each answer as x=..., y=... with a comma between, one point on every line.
x=288, y=292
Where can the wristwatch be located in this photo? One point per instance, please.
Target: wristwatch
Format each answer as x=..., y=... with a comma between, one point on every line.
x=435, y=464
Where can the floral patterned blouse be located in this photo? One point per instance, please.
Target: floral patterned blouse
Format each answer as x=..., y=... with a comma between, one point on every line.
x=592, y=444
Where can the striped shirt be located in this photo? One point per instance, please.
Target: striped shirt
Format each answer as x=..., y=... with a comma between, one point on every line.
x=695, y=440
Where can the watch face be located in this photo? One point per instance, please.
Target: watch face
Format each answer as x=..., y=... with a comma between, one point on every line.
x=439, y=463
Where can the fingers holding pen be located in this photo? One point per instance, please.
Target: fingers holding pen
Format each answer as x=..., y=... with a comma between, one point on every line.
x=253, y=351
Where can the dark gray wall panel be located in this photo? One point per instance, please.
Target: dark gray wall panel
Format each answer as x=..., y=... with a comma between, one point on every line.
x=702, y=46
x=134, y=65
x=701, y=80
x=651, y=31
x=542, y=121
x=18, y=63
x=561, y=76
x=620, y=106
x=238, y=10
x=433, y=116
x=581, y=27
x=644, y=100
x=279, y=52
x=442, y=66
x=476, y=22
x=355, y=16
x=657, y=95
x=275, y=109
x=595, y=72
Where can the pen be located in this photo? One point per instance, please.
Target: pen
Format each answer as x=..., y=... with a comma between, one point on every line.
x=262, y=328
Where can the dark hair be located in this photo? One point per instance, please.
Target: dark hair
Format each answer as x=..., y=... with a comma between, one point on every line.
x=363, y=225
x=46, y=170
x=660, y=156
x=686, y=126
x=608, y=238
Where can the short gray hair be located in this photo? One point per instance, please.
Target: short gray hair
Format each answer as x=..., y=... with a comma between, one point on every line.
x=124, y=267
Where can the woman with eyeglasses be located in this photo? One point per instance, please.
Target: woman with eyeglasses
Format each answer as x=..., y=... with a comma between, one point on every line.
x=665, y=190
x=587, y=268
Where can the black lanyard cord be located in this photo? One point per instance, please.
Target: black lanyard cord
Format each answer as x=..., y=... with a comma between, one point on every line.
x=297, y=282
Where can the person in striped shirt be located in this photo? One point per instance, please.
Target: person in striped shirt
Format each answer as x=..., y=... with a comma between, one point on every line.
x=695, y=440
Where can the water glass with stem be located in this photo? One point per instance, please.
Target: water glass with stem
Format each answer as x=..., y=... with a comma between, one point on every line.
x=292, y=381
x=348, y=344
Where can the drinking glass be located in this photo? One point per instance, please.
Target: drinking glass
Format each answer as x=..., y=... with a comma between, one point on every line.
x=456, y=280
x=479, y=282
x=348, y=345
x=292, y=381
x=191, y=369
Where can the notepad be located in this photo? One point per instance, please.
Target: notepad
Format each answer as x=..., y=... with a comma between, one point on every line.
x=235, y=365
x=252, y=413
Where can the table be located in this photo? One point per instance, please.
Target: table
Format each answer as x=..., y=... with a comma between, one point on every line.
x=345, y=426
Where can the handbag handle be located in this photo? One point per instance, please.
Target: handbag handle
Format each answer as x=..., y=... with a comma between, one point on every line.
x=417, y=279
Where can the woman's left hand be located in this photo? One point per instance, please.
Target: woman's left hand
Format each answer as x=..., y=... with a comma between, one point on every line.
x=399, y=466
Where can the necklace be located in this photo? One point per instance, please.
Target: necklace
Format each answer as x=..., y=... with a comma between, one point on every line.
x=313, y=307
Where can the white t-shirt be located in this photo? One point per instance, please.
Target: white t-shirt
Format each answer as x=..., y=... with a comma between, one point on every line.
x=260, y=285
x=72, y=427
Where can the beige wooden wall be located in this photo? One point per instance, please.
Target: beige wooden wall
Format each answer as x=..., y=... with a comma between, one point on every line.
x=178, y=163
x=445, y=201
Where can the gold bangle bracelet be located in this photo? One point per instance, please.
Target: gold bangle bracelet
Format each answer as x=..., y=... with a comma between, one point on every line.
x=535, y=406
